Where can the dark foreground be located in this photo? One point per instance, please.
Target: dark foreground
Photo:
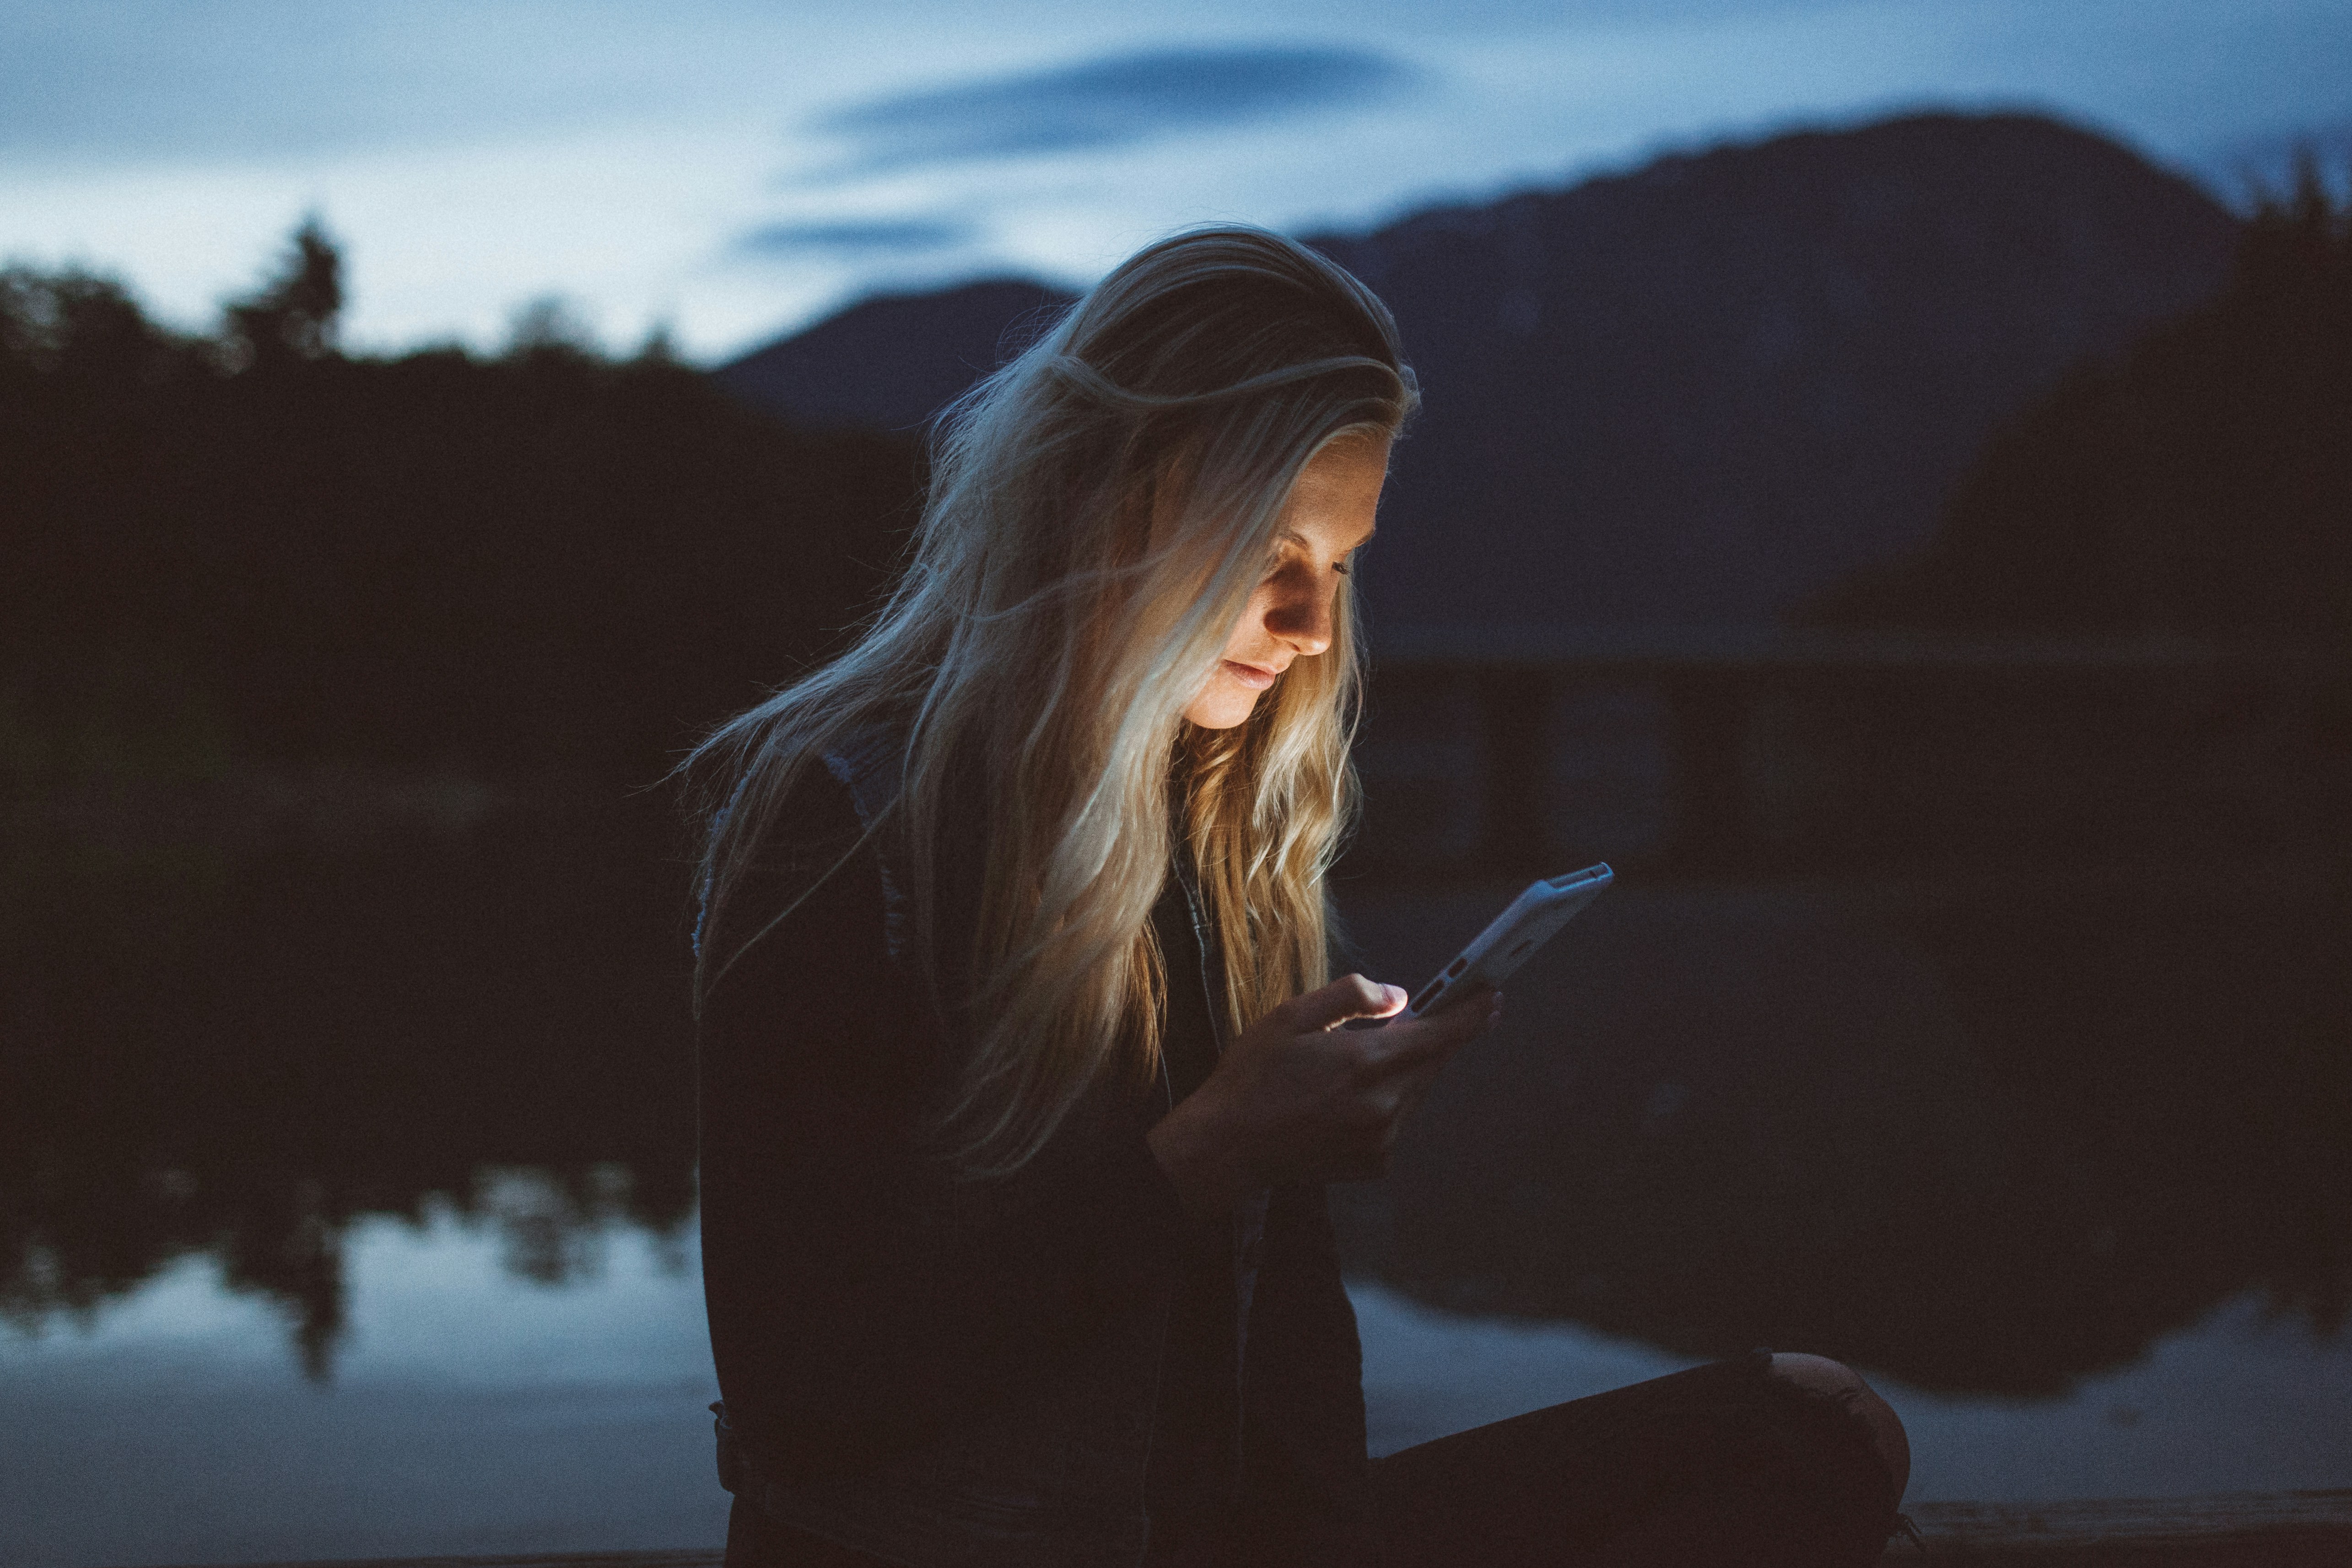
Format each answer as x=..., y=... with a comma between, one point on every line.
x=2275, y=1530
x=2256, y=1529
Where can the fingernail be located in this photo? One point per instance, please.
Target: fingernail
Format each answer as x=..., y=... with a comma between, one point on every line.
x=1395, y=994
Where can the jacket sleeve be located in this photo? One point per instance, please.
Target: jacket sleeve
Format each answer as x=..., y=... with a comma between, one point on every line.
x=861, y=1300
x=1306, y=1492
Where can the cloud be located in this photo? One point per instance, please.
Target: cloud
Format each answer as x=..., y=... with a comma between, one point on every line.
x=856, y=238
x=1111, y=102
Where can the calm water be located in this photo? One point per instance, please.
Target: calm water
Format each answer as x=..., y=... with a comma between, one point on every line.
x=348, y=1199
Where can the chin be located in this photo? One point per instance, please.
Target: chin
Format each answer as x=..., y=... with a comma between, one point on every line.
x=1223, y=710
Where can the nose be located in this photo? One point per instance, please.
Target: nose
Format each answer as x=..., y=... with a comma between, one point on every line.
x=1300, y=614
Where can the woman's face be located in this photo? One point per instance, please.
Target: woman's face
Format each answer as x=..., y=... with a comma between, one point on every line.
x=1289, y=614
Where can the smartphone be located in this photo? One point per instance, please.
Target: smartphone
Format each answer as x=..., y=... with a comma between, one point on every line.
x=1527, y=925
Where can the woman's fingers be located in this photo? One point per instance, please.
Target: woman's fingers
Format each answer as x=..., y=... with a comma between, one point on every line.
x=1413, y=1086
x=1411, y=1043
x=1301, y=1099
x=1349, y=996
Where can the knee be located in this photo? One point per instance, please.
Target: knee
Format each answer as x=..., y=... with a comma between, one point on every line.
x=1834, y=1380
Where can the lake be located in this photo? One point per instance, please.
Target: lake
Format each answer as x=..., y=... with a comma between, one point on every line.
x=347, y=1177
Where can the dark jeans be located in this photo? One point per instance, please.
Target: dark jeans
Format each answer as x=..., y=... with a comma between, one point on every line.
x=1721, y=1465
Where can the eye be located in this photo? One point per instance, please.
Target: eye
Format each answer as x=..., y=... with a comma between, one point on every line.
x=1340, y=567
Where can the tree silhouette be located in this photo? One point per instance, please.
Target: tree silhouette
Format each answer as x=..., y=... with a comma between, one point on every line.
x=294, y=314
x=549, y=560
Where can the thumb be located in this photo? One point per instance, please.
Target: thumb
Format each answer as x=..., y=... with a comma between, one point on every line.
x=1349, y=996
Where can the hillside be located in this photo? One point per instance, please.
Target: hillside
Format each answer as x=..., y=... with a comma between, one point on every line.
x=2199, y=486
x=1693, y=393
x=891, y=361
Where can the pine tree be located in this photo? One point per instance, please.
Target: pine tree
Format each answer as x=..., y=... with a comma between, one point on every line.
x=294, y=314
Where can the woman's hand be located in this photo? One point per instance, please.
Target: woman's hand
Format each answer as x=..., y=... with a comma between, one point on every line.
x=1298, y=1098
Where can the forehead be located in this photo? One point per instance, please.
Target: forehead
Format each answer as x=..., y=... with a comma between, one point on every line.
x=1338, y=492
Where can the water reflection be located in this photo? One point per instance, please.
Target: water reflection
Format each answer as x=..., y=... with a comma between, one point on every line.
x=472, y=1412
x=1990, y=1133
x=476, y=1412
x=241, y=1050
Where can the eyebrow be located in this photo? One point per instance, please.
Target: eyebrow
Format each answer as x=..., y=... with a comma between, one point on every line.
x=1301, y=540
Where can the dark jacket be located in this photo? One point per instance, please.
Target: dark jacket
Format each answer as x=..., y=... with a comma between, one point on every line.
x=943, y=1373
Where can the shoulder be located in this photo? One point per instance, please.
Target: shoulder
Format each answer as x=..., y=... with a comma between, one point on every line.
x=803, y=870
x=837, y=797
x=799, y=981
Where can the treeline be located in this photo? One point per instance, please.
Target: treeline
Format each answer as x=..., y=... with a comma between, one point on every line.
x=2200, y=485
x=251, y=543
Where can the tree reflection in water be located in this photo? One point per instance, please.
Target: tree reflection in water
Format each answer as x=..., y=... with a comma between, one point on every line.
x=1982, y=1134
x=1987, y=1135
x=240, y=1052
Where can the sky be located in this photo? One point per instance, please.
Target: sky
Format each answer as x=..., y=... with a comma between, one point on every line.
x=726, y=170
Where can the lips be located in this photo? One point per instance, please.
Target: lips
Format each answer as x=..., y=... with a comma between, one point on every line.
x=1250, y=675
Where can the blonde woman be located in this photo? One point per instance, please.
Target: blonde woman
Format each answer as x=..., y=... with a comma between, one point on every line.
x=1020, y=1061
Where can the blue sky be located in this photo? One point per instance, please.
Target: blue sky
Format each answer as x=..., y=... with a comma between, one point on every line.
x=730, y=168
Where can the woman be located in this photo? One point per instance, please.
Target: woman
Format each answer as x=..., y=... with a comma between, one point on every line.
x=1021, y=1066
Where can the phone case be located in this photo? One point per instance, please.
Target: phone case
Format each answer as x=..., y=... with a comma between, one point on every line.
x=1512, y=939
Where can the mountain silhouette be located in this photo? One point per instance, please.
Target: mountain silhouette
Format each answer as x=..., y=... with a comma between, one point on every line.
x=1692, y=394
x=2197, y=486
x=891, y=361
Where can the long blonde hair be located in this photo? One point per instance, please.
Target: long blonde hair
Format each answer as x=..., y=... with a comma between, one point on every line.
x=1101, y=510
